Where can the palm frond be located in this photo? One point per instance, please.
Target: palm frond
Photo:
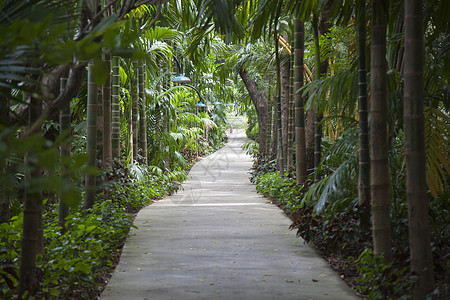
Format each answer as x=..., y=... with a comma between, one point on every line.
x=437, y=139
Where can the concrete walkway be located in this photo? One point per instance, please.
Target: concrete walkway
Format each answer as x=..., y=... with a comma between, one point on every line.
x=219, y=239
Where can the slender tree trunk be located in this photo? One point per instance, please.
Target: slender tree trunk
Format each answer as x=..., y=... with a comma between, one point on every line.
x=309, y=139
x=416, y=188
x=100, y=124
x=280, y=152
x=142, y=114
x=269, y=120
x=274, y=145
x=129, y=117
x=107, y=135
x=300, y=150
x=64, y=120
x=115, y=122
x=135, y=111
x=378, y=132
x=91, y=144
x=32, y=232
x=259, y=100
x=317, y=117
x=364, y=156
x=290, y=136
x=285, y=94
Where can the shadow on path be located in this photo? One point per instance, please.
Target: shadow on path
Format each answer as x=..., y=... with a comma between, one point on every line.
x=218, y=239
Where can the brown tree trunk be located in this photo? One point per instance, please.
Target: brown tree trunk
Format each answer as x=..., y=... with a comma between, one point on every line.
x=310, y=140
x=135, y=111
x=285, y=94
x=259, y=100
x=300, y=150
x=378, y=132
x=416, y=185
x=32, y=232
x=107, y=126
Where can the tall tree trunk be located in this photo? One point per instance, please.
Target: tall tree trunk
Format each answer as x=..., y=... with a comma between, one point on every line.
x=129, y=117
x=317, y=117
x=364, y=156
x=280, y=152
x=142, y=114
x=309, y=140
x=64, y=120
x=135, y=110
x=285, y=93
x=259, y=100
x=115, y=122
x=300, y=150
x=269, y=120
x=107, y=129
x=100, y=124
x=416, y=188
x=32, y=232
x=274, y=145
x=290, y=135
x=91, y=144
x=378, y=132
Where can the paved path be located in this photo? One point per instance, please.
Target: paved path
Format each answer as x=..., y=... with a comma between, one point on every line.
x=219, y=239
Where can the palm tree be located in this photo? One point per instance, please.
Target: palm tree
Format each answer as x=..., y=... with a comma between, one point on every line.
x=135, y=108
x=416, y=186
x=378, y=134
x=300, y=150
x=364, y=156
x=115, y=110
x=32, y=232
x=91, y=143
x=107, y=126
x=142, y=113
x=64, y=120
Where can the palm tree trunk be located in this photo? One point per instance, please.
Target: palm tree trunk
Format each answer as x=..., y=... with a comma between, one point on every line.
x=115, y=122
x=290, y=146
x=269, y=120
x=378, y=132
x=91, y=144
x=100, y=124
x=142, y=114
x=416, y=188
x=317, y=117
x=285, y=93
x=300, y=150
x=364, y=157
x=107, y=126
x=32, y=232
x=274, y=145
x=135, y=110
x=64, y=120
x=259, y=100
x=280, y=158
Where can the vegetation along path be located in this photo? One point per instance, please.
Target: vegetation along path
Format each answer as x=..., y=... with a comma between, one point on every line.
x=218, y=239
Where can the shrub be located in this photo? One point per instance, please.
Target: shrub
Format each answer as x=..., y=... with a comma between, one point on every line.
x=282, y=189
x=383, y=280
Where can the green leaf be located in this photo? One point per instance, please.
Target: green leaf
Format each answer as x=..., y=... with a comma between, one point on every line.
x=100, y=72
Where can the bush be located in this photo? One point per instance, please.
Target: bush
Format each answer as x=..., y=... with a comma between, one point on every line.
x=383, y=280
x=282, y=189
